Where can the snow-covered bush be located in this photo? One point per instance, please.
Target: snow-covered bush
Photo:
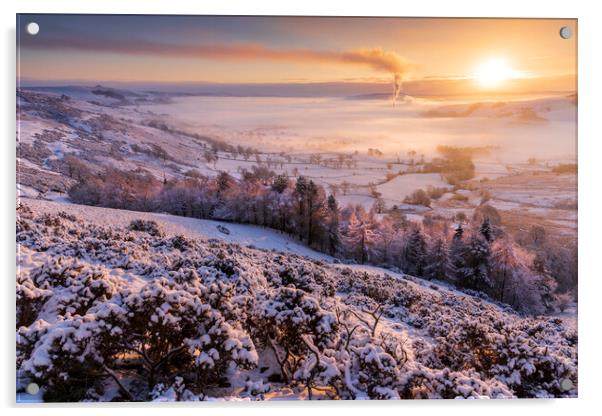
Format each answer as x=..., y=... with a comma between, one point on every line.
x=295, y=326
x=423, y=383
x=181, y=243
x=107, y=313
x=77, y=285
x=256, y=389
x=378, y=372
x=186, y=332
x=176, y=392
x=147, y=226
x=64, y=356
x=306, y=276
x=528, y=367
x=57, y=272
x=163, y=326
x=30, y=300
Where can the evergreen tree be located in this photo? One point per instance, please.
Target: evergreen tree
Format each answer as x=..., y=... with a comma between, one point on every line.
x=332, y=203
x=280, y=183
x=388, y=236
x=456, y=263
x=437, y=263
x=415, y=253
x=301, y=185
x=300, y=196
x=333, y=225
x=476, y=270
x=316, y=212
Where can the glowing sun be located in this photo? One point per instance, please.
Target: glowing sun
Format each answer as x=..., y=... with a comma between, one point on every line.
x=493, y=72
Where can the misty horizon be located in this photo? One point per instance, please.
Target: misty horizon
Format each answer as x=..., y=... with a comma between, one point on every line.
x=433, y=87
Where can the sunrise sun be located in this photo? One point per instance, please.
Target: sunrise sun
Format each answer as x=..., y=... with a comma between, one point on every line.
x=493, y=72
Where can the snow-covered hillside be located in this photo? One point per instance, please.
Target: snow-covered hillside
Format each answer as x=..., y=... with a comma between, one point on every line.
x=120, y=305
x=247, y=235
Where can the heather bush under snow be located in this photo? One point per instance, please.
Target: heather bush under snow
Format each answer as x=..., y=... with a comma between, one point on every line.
x=109, y=313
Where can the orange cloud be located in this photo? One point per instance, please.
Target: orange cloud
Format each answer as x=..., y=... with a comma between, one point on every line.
x=376, y=58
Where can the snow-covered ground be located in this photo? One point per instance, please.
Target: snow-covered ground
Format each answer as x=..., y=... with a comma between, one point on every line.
x=247, y=235
x=394, y=191
x=76, y=264
x=325, y=139
x=243, y=234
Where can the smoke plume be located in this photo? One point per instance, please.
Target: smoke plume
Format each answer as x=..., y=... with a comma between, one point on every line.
x=396, y=87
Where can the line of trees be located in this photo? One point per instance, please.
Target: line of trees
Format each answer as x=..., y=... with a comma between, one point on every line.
x=476, y=257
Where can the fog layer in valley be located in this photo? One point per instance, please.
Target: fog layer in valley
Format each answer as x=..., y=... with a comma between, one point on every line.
x=523, y=128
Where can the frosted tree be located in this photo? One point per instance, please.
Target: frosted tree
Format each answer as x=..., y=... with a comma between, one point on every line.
x=211, y=157
x=476, y=269
x=437, y=261
x=280, y=183
x=486, y=230
x=224, y=181
x=505, y=266
x=546, y=287
x=524, y=287
x=415, y=253
x=334, y=238
x=372, y=236
x=388, y=236
x=353, y=238
x=280, y=206
x=379, y=205
x=316, y=210
x=300, y=196
x=360, y=238
x=456, y=262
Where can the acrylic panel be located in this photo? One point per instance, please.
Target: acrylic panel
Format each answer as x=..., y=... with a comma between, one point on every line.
x=295, y=208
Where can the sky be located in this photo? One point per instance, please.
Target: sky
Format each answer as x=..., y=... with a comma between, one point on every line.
x=504, y=55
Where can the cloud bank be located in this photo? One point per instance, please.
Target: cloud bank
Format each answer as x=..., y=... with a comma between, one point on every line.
x=377, y=59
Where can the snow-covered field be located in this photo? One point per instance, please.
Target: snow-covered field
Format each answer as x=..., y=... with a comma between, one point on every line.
x=154, y=311
x=324, y=139
x=394, y=191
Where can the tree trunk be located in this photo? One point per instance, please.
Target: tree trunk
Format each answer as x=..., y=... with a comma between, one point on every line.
x=503, y=289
